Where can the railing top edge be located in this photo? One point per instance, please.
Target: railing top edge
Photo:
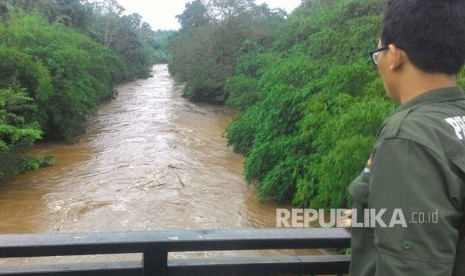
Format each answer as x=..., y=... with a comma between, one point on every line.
x=29, y=245
x=173, y=236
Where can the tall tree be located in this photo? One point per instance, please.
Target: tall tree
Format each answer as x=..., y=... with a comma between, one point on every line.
x=79, y=12
x=226, y=9
x=195, y=15
x=205, y=56
x=4, y=12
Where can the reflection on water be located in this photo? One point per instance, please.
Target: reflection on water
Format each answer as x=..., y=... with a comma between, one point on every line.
x=150, y=160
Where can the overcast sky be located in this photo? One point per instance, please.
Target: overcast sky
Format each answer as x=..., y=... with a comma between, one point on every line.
x=161, y=14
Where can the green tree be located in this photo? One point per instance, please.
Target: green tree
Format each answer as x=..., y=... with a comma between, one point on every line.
x=78, y=12
x=4, y=12
x=17, y=132
x=224, y=10
x=195, y=15
x=159, y=41
x=205, y=57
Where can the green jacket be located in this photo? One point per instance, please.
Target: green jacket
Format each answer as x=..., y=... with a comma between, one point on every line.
x=416, y=173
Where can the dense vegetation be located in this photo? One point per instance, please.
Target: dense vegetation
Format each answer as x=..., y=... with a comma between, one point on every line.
x=58, y=60
x=211, y=40
x=309, y=99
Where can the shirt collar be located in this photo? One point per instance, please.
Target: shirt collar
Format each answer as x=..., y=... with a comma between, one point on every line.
x=434, y=96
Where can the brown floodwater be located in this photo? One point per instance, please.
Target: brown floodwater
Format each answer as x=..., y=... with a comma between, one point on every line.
x=149, y=160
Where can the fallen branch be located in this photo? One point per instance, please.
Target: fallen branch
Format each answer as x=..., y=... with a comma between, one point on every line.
x=180, y=181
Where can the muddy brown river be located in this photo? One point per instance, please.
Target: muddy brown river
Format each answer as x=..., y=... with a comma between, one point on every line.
x=150, y=160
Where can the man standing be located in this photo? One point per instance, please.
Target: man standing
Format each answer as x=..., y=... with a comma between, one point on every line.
x=416, y=172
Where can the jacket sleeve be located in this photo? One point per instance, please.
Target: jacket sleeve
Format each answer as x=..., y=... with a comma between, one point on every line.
x=420, y=198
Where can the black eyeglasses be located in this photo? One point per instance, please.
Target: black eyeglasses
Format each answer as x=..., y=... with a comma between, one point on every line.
x=375, y=54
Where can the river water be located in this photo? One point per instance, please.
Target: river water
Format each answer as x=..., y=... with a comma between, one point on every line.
x=150, y=160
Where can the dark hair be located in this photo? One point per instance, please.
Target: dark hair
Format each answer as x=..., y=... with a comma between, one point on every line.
x=431, y=32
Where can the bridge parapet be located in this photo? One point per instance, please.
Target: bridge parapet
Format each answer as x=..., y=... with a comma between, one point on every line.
x=156, y=245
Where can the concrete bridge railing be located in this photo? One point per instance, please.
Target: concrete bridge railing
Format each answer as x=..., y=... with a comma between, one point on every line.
x=155, y=246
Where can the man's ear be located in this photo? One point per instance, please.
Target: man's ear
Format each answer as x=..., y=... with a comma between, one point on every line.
x=397, y=57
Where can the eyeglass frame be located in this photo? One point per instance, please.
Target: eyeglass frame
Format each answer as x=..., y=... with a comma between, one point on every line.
x=375, y=54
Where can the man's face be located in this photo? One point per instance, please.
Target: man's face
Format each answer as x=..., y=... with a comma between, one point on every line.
x=386, y=74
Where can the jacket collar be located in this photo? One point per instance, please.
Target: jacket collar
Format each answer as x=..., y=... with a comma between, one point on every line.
x=434, y=96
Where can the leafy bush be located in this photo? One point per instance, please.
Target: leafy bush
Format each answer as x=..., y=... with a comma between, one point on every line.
x=75, y=78
x=243, y=92
x=17, y=131
x=308, y=147
x=342, y=137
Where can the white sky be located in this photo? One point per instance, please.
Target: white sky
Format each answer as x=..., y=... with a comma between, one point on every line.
x=161, y=14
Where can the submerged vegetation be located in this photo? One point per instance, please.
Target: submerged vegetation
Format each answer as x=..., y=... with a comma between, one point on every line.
x=58, y=60
x=309, y=100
